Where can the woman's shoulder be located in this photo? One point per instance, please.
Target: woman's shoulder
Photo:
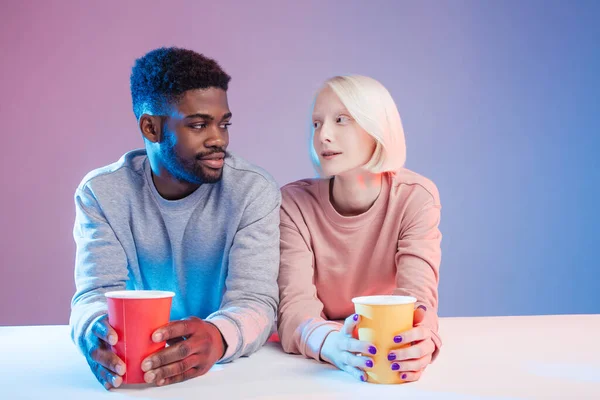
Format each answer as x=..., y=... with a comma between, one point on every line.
x=301, y=196
x=301, y=188
x=406, y=182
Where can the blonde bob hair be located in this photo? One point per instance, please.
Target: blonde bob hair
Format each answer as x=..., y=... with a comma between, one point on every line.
x=374, y=110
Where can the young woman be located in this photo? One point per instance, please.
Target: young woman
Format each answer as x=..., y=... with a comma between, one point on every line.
x=368, y=226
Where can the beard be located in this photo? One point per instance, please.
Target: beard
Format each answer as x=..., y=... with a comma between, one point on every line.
x=187, y=169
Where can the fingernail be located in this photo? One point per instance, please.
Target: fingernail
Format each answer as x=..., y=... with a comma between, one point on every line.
x=403, y=376
x=395, y=367
x=372, y=350
x=422, y=307
x=112, y=340
x=116, y=381
x=161, y=382
x=355, y=317
x=149, y=377
x=391, y=357
x=369, y=363
x=120, y=369
x=147, y=366
x=157, y=337
x=397, y=339
x=362, y=378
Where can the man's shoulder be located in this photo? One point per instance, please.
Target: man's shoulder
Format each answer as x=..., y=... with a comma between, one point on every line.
x=240, y=172
x=128, y=170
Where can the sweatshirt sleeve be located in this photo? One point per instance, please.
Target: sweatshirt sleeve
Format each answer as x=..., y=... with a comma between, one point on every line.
x=418, y=260
x=247, y=312
x=301, y=324
x=100, y=264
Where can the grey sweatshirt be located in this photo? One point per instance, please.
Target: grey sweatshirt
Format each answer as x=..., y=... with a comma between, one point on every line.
x=217, y=249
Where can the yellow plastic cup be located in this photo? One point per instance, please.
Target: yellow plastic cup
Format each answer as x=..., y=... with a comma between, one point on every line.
x=382, y=318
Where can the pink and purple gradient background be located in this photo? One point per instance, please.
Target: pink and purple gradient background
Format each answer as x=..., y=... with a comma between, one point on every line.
x=500, y=103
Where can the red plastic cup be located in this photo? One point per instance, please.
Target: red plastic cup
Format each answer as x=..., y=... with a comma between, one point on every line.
x=135, y=315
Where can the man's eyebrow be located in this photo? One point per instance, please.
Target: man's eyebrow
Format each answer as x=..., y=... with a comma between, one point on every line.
x=207, y=116
x=203, y=116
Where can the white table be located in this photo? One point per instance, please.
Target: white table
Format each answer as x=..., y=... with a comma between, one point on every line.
x=541, y=357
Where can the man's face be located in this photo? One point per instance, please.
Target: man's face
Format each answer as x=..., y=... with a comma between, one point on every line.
x=195, y=136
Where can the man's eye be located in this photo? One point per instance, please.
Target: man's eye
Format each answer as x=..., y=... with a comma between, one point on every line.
x=225, y=125
x=199, y=126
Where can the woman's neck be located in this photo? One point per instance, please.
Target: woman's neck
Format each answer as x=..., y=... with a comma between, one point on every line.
x=354, y=193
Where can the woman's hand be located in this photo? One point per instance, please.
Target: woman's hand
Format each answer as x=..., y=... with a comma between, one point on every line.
x=340, y=349
x=410, y=361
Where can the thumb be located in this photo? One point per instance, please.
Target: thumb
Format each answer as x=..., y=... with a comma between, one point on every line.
x=419, y=316
x=349, y=325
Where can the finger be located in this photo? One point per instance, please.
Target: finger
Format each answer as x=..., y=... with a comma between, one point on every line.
x=104, y=331
x=421, y=349
x=349, y=324
x=413, y=335
x=109, y=360
x=355, y=372
x=356, y=346
x=108, y=379
x=174, y=330
x=412, y=365
x=419, y=315
x=172, y=354
x=189, y=374
x=172, y=342
x=174, y=369
x=360, y=362
x=411, y=376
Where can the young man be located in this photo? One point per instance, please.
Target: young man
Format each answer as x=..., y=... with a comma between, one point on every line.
x=182, y=215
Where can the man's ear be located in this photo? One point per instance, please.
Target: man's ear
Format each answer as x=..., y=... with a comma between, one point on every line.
x=151, y=127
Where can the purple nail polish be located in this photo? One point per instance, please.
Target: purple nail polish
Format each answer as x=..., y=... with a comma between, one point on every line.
x=362, y=378
x=369, y=363
x=403, y=376
x=355, y=317
x=395, y=367
x=372, y=350
x=397, y=339
x=391, y=357
x=422, y=307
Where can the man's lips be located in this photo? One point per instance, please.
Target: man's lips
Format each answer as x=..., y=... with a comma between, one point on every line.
x=213, y=160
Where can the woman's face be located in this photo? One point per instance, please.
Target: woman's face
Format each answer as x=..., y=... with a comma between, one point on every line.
x=340, y=143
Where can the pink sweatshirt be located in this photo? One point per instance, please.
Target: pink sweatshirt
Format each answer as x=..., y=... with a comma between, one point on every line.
x=327, y=259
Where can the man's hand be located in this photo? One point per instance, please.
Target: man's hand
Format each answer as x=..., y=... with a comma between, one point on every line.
x=198, y=345
x=106, y=366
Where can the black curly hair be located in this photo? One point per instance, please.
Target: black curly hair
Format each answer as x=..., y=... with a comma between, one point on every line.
x=164, y=74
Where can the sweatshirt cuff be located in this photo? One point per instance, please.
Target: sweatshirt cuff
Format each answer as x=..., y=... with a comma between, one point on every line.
x=230, y=333
x=316, y=338
x=80, y=325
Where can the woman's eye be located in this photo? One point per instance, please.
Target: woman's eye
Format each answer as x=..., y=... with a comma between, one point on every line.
x=316, y=124
x=342, y=119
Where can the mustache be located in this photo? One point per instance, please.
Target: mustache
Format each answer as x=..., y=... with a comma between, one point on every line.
x=211, y=151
